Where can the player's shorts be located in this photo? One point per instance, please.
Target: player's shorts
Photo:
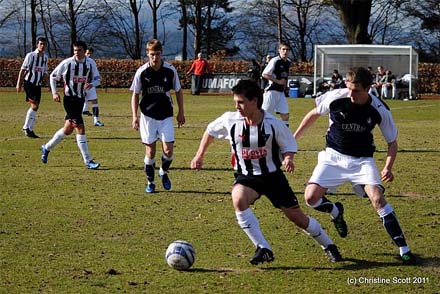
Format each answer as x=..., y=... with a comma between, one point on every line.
x=334, y=169
x=152, y=130
x=274, y=185
x=33, y=92
x=91, y=94
x=73, y=105
x=275, y=101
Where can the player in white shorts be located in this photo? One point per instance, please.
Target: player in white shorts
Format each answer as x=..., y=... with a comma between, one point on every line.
x=155, y=79
x=91, y=96
x=277, y=73
x=348, y=156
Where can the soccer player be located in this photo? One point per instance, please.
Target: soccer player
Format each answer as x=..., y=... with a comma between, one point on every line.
x=261, y=144
x=78, y=73
x=277, y=73
x=155, y=79
x=31, y=74
x=348, y=156
x=91, y=96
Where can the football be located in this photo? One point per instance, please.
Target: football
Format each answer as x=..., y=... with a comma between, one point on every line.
x=180, y=255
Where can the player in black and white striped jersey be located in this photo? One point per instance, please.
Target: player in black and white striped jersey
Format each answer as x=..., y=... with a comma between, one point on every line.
x=261, y=144
x=78, y=74
x=31, y=74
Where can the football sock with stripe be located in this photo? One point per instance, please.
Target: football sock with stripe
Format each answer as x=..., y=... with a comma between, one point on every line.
x=81, y=140
x=392, y=226
x=166, y=162
x=315, y=231
x=56, y=139
x=248, y=222
x=150, y=165
x=326, y=205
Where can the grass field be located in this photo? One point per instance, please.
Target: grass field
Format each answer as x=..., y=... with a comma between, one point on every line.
x=66, y=229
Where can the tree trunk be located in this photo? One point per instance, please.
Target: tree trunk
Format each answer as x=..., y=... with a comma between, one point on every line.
x=355, y=15
x=198, y=24
x=184, y=25
x=280, y=32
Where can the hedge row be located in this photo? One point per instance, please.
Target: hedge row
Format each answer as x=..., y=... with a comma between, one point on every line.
x=118, y=73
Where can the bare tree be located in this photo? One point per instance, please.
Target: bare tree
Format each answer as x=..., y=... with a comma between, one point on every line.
x=154, y=5
x=6, y=14
x=184, y=25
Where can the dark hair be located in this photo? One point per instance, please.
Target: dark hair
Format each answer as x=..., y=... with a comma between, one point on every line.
x=80, y=44
x=249, y=89
x=91, y=50
x=360, y=75
x=41, y=39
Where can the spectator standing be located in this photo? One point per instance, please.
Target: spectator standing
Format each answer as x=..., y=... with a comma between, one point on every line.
x=155, y=79
x=254, y=72
x=92, y=96
x=200, y=67
x=389, y=84
x=33, y=69
x=78, y=73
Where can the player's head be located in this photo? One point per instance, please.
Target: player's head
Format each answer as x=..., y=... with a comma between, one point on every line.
x=79, y=49
x=283, y=49
x=360, y=75
x=41, y=43
x=89, y=51
x=154, y=51
x=200, y=55
x=249, y=89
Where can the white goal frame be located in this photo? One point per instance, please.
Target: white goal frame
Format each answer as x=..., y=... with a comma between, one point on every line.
x=401, y=60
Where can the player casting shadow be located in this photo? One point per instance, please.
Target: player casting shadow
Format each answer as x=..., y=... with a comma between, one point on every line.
x=226, y=193
x=210, y=270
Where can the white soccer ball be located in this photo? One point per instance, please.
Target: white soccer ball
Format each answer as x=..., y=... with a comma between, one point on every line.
x=180, y=255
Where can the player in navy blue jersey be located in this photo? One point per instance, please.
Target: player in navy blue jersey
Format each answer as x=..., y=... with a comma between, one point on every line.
x=154, y=80
x=31, y=74
x=277, y=73
x=261, y=144
x=78, y=73
x=348, y=156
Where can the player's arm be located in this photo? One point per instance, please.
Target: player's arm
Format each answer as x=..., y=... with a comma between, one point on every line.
x=387, y=174
x=181, y=112
x=307, y=121
x=134, y=110
x=20, y=79
x=54, y=77
x=274, y=80
x=197, y=162
x=288, y=162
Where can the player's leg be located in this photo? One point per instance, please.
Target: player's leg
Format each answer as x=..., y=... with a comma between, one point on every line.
x=242, y=198
x=33, y=97
x=95, y=111
x=148, y=128
x=283, y=108
x=313, y=228
x=166, y=134
x=269, y=101
x=59, y=135
x=389, y=221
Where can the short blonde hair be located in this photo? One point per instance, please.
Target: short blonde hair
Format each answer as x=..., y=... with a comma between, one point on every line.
x=154, y=45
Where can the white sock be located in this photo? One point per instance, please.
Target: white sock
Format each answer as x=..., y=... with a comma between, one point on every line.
x=81, y=140
x=56, y=139
x=95, y=117
x=29, y=121
x=315, y=231
x=250, y=225
x=86, y=106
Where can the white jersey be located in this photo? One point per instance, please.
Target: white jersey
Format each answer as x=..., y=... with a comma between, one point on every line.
x=36, y=67
x=75, y=75
x=351, y=125
x=257, y=149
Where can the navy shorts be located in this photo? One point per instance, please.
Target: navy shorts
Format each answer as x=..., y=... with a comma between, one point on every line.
x=73, y=105
x=33, y=92
x=274, y=185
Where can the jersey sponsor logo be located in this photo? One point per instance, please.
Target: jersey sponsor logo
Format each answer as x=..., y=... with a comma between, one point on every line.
x=38, y=69
x=248, y=153
x=353, y=128
x=77, y=79
x=155, y=90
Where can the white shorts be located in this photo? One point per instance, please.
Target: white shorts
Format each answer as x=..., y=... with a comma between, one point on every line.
x=274, y=101
x=152, y=130
x=91, y=94
x=334, y=169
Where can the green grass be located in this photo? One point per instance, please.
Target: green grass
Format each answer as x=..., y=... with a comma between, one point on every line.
x=65, y=229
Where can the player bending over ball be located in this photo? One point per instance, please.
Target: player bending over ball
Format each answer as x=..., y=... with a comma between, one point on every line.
x=348, y=156
x=261, y=144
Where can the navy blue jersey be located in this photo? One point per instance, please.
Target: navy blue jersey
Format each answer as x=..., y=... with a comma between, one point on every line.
x=351, y=125
x=279, y=69
x=155, y=86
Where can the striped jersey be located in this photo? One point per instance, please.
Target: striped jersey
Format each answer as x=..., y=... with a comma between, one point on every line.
x=75, y=75
x=155, y=87
x=279, y=69
x=257, y=149
x=35, y=66
x=351, y=125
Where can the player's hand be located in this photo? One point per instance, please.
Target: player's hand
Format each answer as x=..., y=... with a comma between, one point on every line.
x=135, y=123
x=180, y=120
x=288, y=164
x=387, y=176
x=88, y=86
x=56, y=97
x=18, y=87
x=197, y=163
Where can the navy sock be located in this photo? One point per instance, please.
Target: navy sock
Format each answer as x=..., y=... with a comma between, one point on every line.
x=392, y=226
x=149, y=171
